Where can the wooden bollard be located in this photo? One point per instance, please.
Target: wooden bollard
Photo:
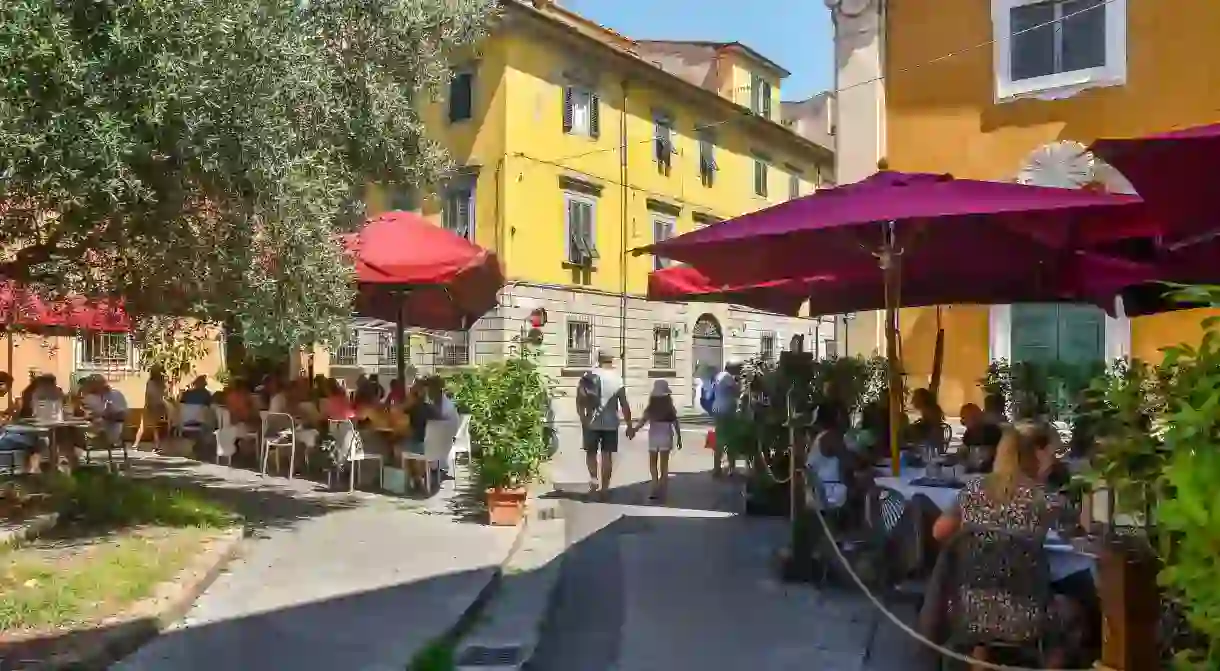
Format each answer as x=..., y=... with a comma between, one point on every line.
x=1130, y=605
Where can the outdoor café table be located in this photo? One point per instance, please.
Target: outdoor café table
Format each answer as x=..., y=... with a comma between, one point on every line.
x=1065, y=558
x=50, y=428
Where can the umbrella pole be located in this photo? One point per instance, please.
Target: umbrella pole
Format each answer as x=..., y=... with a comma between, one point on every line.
x=889, y=267
x=400, y=325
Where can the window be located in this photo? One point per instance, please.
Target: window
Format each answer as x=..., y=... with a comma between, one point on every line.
x=580, y=342
x=581, y=113
x=662, y=348
x=404, y=198
x=760, y=177
x=457, y=212
x=580, y=215
x=662, y=229
x=1056, y=48
x=794, y=186
x=348, y=352
x=452, y=349
x=663, y=140
x=760, y=97
x=707, y=157
x=109, y=351
x=387, y=349
x=461, y=96
x=766, y=346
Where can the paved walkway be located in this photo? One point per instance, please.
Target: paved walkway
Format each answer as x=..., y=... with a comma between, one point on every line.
x=328, y=582
x=690, y=584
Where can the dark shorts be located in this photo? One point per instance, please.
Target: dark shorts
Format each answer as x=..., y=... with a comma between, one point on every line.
x=604, y=441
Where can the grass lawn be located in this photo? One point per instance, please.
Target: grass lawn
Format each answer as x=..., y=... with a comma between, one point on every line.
x=117, y=539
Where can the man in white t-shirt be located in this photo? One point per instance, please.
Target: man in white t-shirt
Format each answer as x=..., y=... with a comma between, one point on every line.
x=108, y=407
x=601, y=394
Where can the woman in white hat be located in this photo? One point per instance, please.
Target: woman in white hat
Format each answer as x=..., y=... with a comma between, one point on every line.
x=661, y=416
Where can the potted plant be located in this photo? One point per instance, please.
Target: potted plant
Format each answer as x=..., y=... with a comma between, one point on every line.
x=507, y=402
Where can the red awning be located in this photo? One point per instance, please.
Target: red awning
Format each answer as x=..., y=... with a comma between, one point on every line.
x=24, y=309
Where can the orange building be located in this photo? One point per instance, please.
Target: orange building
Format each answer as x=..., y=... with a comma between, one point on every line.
x=1053, y=75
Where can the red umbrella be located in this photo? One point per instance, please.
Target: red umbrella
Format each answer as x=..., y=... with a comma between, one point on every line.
x=24, y=309
x=685, y=283
x=415, y=273
x=1175, y=174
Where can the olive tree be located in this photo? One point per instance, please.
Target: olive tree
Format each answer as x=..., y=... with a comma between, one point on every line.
x=196, y=158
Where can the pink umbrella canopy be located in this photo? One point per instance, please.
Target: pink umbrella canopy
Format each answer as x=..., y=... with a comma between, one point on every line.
x=1175, y=173
x=970, y=227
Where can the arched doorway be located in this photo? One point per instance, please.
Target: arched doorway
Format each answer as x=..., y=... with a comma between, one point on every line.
x=707, y=346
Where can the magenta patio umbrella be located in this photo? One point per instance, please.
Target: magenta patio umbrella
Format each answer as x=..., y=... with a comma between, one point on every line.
x=1175, y=174
x=936, y=222
x=952, y=234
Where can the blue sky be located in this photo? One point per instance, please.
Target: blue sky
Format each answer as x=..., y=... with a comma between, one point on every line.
x=794, y=33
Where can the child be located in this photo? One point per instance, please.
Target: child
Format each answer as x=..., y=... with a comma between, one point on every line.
x=661, y=416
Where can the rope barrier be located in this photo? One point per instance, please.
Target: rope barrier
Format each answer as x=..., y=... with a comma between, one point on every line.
x=946, y=652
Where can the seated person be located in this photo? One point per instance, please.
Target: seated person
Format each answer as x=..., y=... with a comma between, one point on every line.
x=980, y=439
x=107, y=406
x=427, y=401
x=199, y=401
x=398, y=393
x=928, y=428
x=1044, y=465
x=826, y=463
x=336, y=406
x=994, y=409
x=12, y=441
x=1008, y=498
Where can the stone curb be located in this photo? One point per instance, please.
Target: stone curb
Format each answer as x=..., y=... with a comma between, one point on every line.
x=28, y=530
x=146, y=619
x=547, y=521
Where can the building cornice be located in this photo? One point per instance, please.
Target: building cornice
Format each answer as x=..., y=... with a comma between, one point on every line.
x=770, y=131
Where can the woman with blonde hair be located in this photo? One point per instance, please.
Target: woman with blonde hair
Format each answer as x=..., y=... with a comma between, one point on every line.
x=1009, y=499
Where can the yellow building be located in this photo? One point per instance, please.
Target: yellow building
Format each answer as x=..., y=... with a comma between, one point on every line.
x=1020, y=109
x=575, y=145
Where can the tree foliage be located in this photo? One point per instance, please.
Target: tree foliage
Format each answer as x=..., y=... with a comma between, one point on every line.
x=197, y=157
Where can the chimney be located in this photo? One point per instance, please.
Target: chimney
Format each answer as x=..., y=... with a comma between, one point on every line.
x=543, y=4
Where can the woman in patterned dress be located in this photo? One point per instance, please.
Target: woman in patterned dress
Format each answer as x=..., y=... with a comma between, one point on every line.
x=1008, y=499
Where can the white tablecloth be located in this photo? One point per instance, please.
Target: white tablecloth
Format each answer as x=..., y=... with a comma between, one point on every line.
x=1064, y=559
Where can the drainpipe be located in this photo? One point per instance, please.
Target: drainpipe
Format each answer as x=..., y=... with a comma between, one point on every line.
x=623, y=232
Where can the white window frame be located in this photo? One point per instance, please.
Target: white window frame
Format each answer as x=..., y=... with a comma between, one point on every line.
x=768, y=353
x=461, y=189
x=582, y=357
x=999, y=326
x=573, y=197
x=671, y=228
x=80, y=363
x=765, y=181
x=451, y=350
x=664, y=358
x=1061, y=84
x=582, y=95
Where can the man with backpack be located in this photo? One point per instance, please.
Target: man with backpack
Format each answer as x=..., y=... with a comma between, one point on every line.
x=725, y=392
x=600, y=396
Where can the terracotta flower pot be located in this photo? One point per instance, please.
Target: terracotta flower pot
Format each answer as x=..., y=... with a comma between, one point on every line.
x=505, y=507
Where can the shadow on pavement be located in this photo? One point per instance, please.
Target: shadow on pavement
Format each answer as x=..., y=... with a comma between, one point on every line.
x=686, y=491
x=356, y=631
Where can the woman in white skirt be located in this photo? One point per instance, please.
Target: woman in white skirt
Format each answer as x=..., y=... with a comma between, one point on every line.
x=661, y=416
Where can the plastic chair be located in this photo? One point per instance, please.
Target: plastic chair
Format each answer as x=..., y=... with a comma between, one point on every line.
x=461, y=445
x=228, y=434
x=278, y=433
x=349, y=449
x=438, y=441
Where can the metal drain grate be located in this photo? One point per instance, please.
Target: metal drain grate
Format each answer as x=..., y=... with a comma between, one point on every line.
x=478, y=655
